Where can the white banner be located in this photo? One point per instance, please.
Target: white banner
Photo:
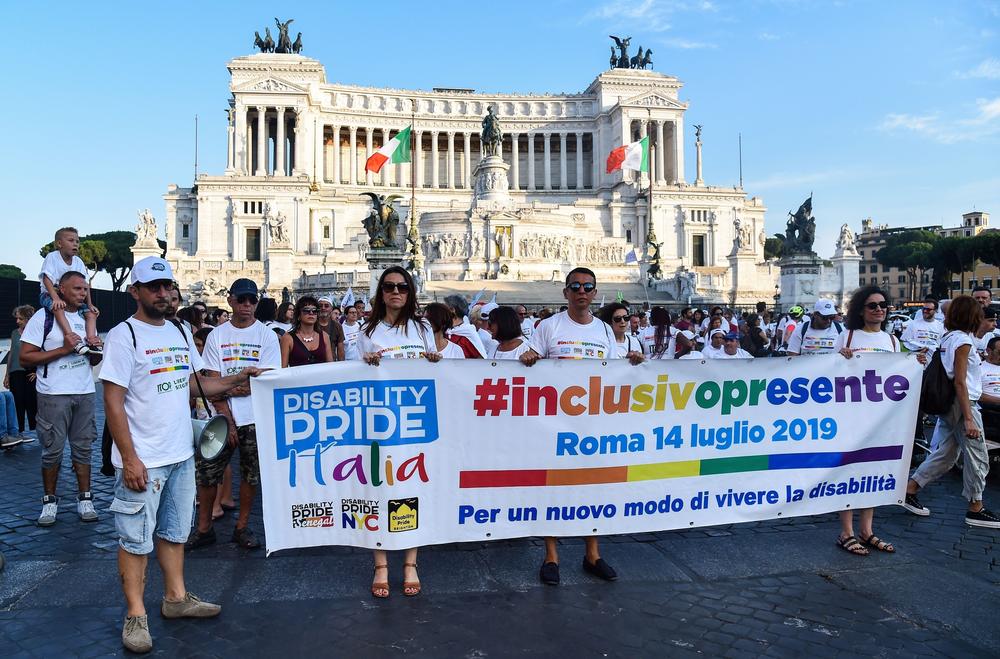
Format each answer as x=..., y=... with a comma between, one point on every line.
x=412, y=453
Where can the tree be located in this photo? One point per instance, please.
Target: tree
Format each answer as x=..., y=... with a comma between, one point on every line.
x=911, y=251
x=952, y=255
x=8, y=271
x=988, y=247
x=773, y=248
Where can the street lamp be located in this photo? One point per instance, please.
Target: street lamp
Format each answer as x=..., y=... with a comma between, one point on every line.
x=777, y=299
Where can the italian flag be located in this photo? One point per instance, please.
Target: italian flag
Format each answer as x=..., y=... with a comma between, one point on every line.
x=634, y=156
x=396, y=150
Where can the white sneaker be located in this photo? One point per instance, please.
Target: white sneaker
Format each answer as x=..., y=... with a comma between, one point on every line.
x=27, y=439
x=50, y=507
x=85, y=508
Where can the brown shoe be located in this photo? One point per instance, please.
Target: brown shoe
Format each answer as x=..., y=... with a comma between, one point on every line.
x=189, y=607
x=135, y=634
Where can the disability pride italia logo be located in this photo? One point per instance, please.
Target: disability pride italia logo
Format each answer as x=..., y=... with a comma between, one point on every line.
x=368, y=414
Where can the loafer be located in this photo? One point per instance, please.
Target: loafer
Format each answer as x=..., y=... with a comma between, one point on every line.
x=135, y=634
x=549, y=574
x=600, y=569
x=245, y=538
x=197, y=539
x=189, y=607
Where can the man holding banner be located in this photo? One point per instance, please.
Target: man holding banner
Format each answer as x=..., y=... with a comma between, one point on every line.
x=147, y=374
x=575, y=334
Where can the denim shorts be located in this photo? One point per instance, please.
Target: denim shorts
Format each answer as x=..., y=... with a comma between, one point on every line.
x=46, y=301
x=165, y=508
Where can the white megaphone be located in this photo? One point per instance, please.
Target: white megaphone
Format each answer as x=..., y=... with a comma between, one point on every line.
x=210, y=436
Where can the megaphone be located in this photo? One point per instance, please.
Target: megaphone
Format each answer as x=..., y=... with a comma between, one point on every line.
x=210, y=436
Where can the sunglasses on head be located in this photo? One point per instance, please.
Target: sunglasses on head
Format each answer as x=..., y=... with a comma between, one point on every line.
x=309, y=310
x=392, y=287
x=619, y=319
x=872, y=306
x=576, y=286
x=243, y=299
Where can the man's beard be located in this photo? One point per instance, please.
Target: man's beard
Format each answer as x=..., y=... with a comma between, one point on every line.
x=152, y=312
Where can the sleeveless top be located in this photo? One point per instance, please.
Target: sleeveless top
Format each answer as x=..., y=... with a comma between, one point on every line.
x=300, y=355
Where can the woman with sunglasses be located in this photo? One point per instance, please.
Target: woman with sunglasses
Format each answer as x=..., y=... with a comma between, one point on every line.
x=304, y=343
x=616, y=315
x=393, y=331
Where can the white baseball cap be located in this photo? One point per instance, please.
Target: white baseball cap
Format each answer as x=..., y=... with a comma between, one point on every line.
x=717, y=330
x=825, y=307
x=687, y=334
x=486, y=309
x=151, y=268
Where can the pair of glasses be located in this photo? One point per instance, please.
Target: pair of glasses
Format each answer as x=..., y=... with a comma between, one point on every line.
x=309, y=310
x=872, y=306
x=576, y=286
x=244, y=299
x=620, y=319
x=164, y=285
x=392, y=287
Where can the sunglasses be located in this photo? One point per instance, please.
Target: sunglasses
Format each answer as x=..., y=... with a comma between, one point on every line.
x=619, y=319
x=872, y=306
x=159, y=286
x=309, y=309
x=576, y=286
x=243, y=299
x=392, y=287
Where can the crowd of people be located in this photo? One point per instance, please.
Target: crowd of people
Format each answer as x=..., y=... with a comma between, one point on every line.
x=165, y=365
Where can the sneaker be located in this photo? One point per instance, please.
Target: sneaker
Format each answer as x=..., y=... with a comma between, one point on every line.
x=50, y=506
x=81, y=348
x=10, y=441
x=85, y=508
x=912, y=503
x=197, y=539
x=189, y=607
x=245, y=538
x=982, y=517
x=27, y=439
x=135, y=634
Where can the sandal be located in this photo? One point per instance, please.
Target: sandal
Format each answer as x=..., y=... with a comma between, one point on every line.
x=380, y=589
x=411, y=588
x=875, y=542
x=851, y=545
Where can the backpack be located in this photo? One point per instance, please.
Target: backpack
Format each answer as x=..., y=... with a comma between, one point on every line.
x=937, y=392
x=806, y=325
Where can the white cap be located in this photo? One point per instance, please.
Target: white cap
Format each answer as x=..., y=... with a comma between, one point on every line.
x=486, y=309
x=717, y=330
x=325, y=298
x=151, y=268
x=687, y=334
x=825, y=308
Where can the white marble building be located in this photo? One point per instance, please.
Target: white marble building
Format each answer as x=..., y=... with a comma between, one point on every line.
x=296, y=153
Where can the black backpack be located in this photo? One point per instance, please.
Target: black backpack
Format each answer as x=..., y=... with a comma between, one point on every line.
x=937, y=393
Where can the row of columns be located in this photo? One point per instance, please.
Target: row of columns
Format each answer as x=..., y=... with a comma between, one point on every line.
x=333, y=167
x=663, y=147
x=257, y=158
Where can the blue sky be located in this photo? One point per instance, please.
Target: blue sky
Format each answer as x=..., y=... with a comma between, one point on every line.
x=883, y=109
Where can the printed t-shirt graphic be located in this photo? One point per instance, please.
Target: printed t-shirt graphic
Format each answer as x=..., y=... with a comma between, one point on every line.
x=561, y=337
x=920, y=334
x=393, y=343
x=156, y=398
x=70, y=374
x=990, y=375
x=230, y=349
x=815, y=341
x=351, y=333
x=863, y=341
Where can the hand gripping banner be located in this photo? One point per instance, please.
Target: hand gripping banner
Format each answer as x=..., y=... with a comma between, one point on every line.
x=411, y=453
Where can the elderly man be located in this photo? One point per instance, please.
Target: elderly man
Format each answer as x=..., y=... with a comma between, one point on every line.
x=730, y=348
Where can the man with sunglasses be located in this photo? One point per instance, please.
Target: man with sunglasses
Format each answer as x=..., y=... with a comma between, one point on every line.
x=575, y=334
x=329, y=323
x=148, y=378
x=240, y=343
x=924, y=332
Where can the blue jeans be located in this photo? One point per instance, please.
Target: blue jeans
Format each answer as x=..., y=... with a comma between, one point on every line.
x=8, y=415
x=165, y=508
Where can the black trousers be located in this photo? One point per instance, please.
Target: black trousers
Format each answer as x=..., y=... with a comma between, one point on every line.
x=25, y=398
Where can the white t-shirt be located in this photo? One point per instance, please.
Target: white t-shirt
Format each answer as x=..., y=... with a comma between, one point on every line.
x=466, y=329
x=271, y=324
x=671, y=348
x=561, y=337
x=989, y=377
x=920, y=334
x=54, y=268
x=979, y=343
x=629, y=344
x=694, y=354
x=521, y=348
x=722, y=354
x=708, y=352
x=351, y=334
x=230, y=349
x=395, y=343
x=528, y=327
x=815, y=341
x=862, y=341
x=647, y=333
x=950, y=343
x=70, y=374
x=452, y=351
x=155, y=373
x=489, y=343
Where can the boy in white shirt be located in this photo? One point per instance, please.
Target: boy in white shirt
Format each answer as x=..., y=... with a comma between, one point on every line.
x=58, y=262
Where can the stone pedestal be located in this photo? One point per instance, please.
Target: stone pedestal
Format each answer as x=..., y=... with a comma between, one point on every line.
x=800, y=279
x=742, y=273
x=846, y=277
x=279, y=269
x=380, y=258
x=492, y=186
x=144, y=249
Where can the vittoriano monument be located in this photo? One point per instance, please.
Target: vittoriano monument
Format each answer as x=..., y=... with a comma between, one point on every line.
x=621, y=59
x=285, y=44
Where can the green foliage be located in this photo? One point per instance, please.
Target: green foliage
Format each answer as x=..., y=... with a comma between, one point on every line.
x=8, y=271
x=773, y=248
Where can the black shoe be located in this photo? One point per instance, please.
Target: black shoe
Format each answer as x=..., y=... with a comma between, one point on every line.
x=197, y=539
x=982, y=517
x=245, y=538
x=912, y=503
x=549, y=574
x=600, y=569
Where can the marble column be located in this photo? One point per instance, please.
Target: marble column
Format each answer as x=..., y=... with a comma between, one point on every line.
x=328, y=151
x=335, y=174
x=467, y=173
x=531, y=162
x=515, y=168
x=403, y=175
x=679, y=150
x=547, y=160
x=698, y=180
x=231, y=143
x=563, y=174
x=242, y=143
x=596, y=156
x=279, y=144
x=579, y=161
x=451, y=160
x=369, y=150
x=643, y=132
x=435, y=165
x=418, y=158
x=261, y=143
x=352, y=175
x=660, y=155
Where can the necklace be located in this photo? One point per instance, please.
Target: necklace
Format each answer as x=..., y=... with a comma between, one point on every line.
x=308, y=339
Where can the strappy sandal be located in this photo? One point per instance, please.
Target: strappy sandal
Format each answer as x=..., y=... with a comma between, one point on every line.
x=851, y=545
x=411, y=588
x=876, y=542
x=380, y=589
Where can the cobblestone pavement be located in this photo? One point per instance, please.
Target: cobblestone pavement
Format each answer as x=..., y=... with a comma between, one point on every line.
x=779, y=588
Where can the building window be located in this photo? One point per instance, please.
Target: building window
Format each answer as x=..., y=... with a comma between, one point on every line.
x=253, y=244
x=902, y=294
x=956, y=285
x=698, y=250
x=968, y=233
x=874, y=281
x=885, y=268
x=326, y=232
x=185, y=230
x=988, y=282
x=861, y=269
x=901, y=279
x=628, y=235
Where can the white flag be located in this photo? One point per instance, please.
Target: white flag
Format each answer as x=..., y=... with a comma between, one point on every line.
x=348, y=298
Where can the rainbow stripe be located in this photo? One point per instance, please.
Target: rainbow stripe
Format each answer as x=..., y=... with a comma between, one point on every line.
x=166, y=369
x=684, y=469
x=241, y=359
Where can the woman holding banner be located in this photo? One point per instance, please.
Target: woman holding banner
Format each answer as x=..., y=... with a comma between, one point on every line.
x=394, y=330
